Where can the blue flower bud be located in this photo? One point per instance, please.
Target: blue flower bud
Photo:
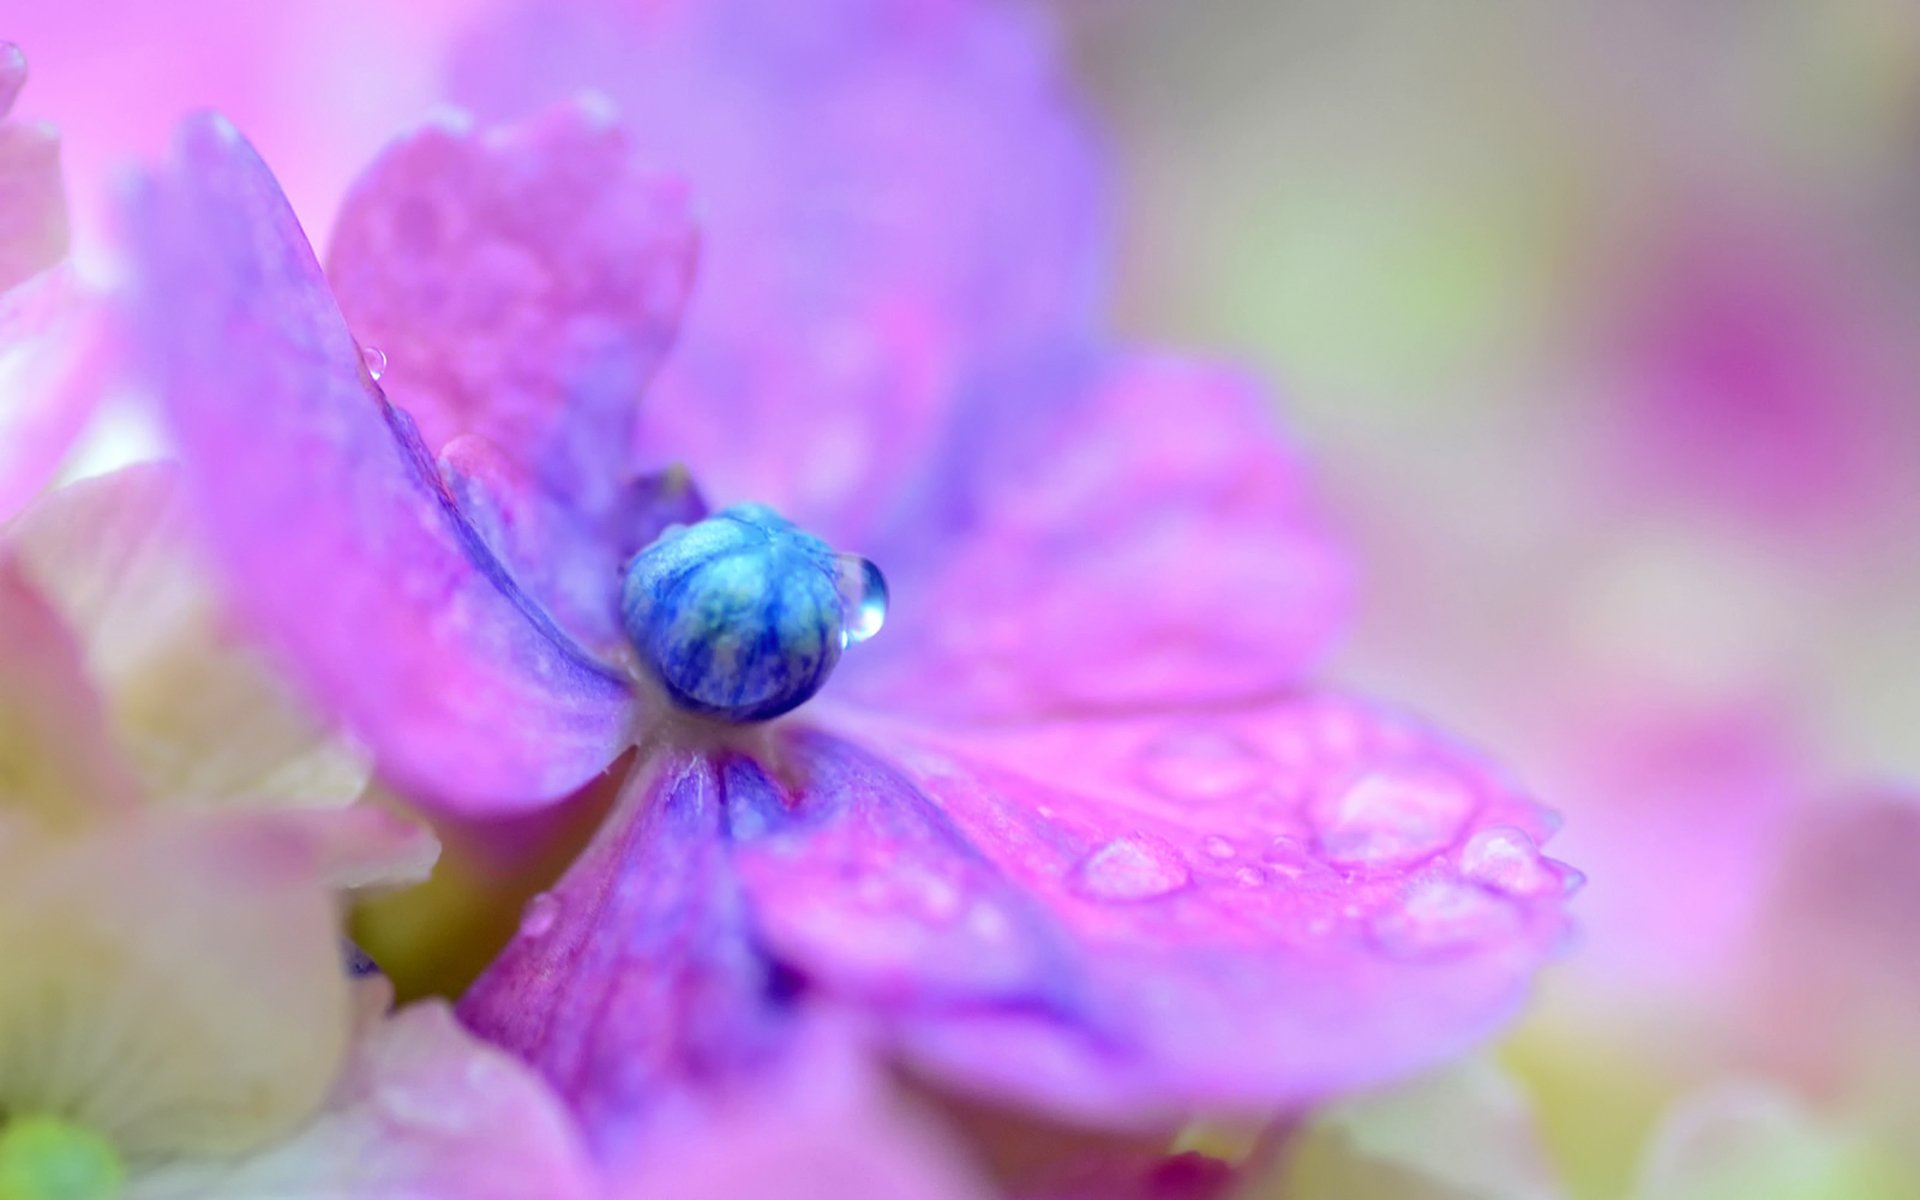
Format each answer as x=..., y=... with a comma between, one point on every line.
x=742, y=616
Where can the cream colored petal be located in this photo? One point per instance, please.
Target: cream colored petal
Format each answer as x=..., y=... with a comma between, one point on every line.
x=426, y=1111
x=55, y=759
x=1742, y=1140
x=198, y=709
x=366, y=846
x=1461, y=1133
x=175, y=984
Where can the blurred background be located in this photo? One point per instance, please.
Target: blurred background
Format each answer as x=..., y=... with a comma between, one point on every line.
x=1602, y=326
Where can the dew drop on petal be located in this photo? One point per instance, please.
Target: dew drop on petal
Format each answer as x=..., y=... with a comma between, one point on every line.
x=539, y=915
x=1441, y=918
x=1249, y=877
x=1289, y=859
x=1392, y=817
x=1505, y=859
x=1201, y=764
x=1134, y=867
x=864, y=589
x=1217, y=846
x=375, y=360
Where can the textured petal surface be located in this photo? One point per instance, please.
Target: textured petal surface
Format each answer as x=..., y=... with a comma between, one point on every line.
x=523, y=284
x=195, y=709
x=344, y=547
x=56, y=758
x=175, y=985
x=1150, y=544
x=423, y=1112
x=1119, y=921
x=891, y=195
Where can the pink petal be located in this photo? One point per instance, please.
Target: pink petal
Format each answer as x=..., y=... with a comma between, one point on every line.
x=1152, y=543
x=1251, y=908
x=523, y=284
x=424, y=1112
x=819, y=1128
x=33, y=203
x=344, y=548
x=56, y=349
x=892, y=196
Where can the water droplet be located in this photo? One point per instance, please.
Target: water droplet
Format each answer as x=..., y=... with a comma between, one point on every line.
x=1249, y=877
x=1134, y=867
x=1290, y=860
x=539, y=915
x=1505, y=859
x=1393, y=817
x=1201, y=764
x=864, y=589
x=1441, y=918
x=375, y=360
x=1217, y=846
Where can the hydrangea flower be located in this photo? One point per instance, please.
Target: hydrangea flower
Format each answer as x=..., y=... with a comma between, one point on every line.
x=1074, y=832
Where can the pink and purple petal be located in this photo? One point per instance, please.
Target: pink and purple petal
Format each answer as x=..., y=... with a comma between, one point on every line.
x=892, y=196
x=343, y=546
x=1248, y=908
x=1119, y=921
x=523, y=283
x=1150, y=542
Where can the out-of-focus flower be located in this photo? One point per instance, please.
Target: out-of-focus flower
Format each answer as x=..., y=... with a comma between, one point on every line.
x=1464, y=1132
x=193, y=709
x=1074, y=834
x=175, y=1010
x=51, y=350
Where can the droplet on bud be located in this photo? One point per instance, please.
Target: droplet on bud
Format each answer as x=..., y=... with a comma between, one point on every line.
x=864, y=589
x=375, y=360
x=742, y=616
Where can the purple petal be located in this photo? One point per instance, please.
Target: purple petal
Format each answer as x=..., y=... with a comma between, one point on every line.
x=892, y=194
x=1115, y=919
x=1152, y=543
x=344, y=548
x=523, y=284
x=634, y=984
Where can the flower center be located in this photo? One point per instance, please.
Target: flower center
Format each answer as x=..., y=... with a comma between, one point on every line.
x=47, y=1158
x=742, y=616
